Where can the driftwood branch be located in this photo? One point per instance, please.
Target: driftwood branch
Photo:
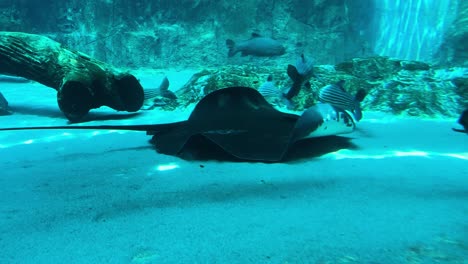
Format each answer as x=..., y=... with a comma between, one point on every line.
x=82, y=83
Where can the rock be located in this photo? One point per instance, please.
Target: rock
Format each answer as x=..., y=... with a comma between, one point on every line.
x=454, y=50
x=414, y=66
x=461, y=88
x=394, y=86
x=373, y=68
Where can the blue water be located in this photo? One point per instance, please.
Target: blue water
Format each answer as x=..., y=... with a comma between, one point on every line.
x=393, y=191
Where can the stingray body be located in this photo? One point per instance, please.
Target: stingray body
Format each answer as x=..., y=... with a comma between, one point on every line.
x=242, y=123
x=239, y=120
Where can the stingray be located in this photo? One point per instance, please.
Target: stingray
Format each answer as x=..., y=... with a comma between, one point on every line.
x=242, y=123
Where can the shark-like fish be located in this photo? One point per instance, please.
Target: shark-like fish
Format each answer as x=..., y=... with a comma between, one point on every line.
x=256, y=46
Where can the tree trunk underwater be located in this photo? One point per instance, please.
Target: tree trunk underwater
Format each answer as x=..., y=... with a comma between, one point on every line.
x=82, y=83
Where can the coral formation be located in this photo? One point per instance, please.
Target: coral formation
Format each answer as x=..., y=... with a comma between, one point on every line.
x=395, y=86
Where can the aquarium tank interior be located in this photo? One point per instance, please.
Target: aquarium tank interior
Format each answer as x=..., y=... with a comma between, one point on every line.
x=254, y=131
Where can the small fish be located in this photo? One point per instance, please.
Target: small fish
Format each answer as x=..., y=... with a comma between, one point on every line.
x=163, y=91
x=256, y=46
x=300, y=75
x=273, y=94
x=269, y=90
x=336, y=95
x=463, y=120
x=153, y=95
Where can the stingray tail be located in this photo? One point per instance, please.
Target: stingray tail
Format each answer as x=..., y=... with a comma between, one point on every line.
x=150, y=129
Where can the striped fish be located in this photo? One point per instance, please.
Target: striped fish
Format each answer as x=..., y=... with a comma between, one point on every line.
x=163, y=90
x=335, y=95
x=269, y=90
x=305, y=66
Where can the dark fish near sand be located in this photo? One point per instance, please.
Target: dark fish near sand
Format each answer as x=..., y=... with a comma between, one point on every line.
x=256, y=46
x=463, y=120
x=336, y=95
x=152, y=95
x=300, y=75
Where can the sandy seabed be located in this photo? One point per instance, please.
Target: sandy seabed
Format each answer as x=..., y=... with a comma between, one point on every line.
x=396, y=191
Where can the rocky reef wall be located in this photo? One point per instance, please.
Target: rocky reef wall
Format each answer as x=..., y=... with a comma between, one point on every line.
x=454, y=48
x=400, y=87
x=371, y=43
x=184, y=33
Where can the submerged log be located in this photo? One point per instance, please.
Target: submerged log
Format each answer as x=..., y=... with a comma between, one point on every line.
x=82, y=83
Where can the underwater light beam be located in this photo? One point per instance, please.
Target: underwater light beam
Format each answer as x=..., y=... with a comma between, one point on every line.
x=346, y=154
x=166, y=167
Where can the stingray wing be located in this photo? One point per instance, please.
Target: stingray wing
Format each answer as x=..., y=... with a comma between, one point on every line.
x=260, y=141
x=237, y=119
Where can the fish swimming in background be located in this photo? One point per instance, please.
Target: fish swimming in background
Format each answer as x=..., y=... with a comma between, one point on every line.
x=463, y=120
x=256, y=46
x=300, y=75
x=336, y=95
x=151, y=95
